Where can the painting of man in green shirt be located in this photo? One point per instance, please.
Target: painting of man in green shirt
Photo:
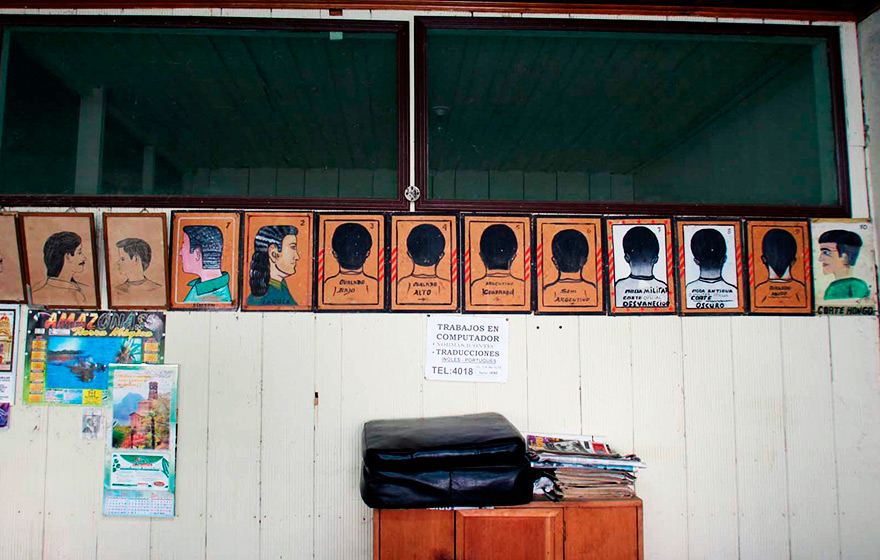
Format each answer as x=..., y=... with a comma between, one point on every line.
x=838, y=252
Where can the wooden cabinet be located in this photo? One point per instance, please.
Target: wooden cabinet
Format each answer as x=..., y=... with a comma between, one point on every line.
x=576, y=530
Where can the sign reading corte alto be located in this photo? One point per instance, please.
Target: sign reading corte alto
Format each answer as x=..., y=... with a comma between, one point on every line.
x=462, y=348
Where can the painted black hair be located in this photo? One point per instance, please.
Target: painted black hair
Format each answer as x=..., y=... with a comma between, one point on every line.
x=778, y=248
x=259, y=272
x=498, y=247
x=641, y=245
x=425, y=244
x=134, y=246
x=709, y=248
x=849, y=243
x=209, y=241
x=570, y=250
x=56, y=246
x=351, y=243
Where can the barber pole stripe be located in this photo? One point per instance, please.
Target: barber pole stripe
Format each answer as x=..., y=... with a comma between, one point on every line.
x=467, y=266
x=394, y=265
x=321, y=265
x=381, y=264
x=539, y=256
x=807, y=271
x=681, y=259
x=611, y=276
x=739, y=266
x=599, y=270
x=454, y=265
x=752, y=270
x=527, y=264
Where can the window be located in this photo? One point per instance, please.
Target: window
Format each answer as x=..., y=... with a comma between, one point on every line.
x=560, y=115
x=187, y=112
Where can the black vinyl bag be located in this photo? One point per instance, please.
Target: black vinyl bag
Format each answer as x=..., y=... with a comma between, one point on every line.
x=471, y=460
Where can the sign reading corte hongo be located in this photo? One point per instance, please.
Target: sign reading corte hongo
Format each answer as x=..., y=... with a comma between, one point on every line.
x=463, y=348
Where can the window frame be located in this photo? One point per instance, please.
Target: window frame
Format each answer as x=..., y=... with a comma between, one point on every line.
x=399, y=28
x=830, y=33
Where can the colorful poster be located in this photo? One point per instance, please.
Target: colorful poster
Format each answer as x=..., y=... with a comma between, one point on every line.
x=640, y=265
x=8, y=353
x=568, y=254
x=67, y=352
x=139, y=473
x=12, y=288
x=205, y=260
x=351, y=262
x=844, y=270
x=278, y=258
x=780, y=267
x=497, y=264
x=424, y=263
x=710, y=268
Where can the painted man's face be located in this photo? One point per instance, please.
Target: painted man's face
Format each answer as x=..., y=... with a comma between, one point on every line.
x=285, y=260
x=129, y=267
x=76, y=262
x=832, y=261
x=192, y=262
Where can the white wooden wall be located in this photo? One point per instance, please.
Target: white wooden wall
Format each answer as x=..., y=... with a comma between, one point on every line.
x=761, y=433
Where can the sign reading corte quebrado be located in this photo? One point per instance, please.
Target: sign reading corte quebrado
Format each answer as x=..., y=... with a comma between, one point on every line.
x=461, y=348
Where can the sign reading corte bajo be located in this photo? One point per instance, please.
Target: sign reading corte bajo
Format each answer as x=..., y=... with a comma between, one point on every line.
x=463, y=348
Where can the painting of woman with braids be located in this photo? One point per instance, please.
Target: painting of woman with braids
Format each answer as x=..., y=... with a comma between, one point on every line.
x=278, y=255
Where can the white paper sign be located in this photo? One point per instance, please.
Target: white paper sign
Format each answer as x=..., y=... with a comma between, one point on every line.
x=467, y=348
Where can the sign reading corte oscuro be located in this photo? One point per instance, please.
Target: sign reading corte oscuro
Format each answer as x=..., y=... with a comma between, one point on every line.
x=461, y=348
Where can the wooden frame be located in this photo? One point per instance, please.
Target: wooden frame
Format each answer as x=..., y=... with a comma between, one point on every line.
x=155, y=255
x=707, y=302
x=830, y=34
x=31, y=274
x=760, y=300
x=214, y=299
x=399, y=28
x=19, y=255
x=645, y=284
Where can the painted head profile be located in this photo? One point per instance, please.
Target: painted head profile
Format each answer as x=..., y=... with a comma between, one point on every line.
x=135, y=256
x=839, y=251
x=351, y=245
x=709, y=249
x=274, y=258
x=570, y=250
x=640, y=247
x=425, y=245
x=778, y=252
x=202, y=248
x=63, y=255
x=498, y=246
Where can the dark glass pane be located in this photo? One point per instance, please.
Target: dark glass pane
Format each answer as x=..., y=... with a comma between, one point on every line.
x=632, y=117
x=200, y=112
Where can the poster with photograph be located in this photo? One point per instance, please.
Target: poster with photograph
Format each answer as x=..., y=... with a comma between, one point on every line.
x=710, y=268
x=136, y=255
x=12, y=285
x=640, y=265
x=780, y=280
x=351, y=262
x=568, y=256
x=424, y=263
x=278, y=260
x=8, y=353
x=205, y=260
x=139, y=472
x=67, y=352
x=844, y=269
x=60, y=261
x=497, y=264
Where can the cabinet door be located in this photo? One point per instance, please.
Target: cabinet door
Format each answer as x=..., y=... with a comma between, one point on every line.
x=509, y=534
x=413, y=534
x=602, y=533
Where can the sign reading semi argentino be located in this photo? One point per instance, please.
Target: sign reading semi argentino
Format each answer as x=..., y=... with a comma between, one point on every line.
x=569, y=259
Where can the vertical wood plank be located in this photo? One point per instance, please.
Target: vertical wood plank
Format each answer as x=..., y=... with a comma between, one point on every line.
x=23, y=464
x=812, y=497
x=553, y=376
x=709, y=418
x=233, y=498
x=290, y=182
x=356, y=182
x=573, y=185
x=539, y=185
x=600, y=186
x=287, y=472
x=510, y=399
x=659, y=433
x=760, y=437
x=471, y=185
x=856, y=386
x=262, y=181
x=188, y=344
x=607, y=380
x=441, y=398
x=506, y=185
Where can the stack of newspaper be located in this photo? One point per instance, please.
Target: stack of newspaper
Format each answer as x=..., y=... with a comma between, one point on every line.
x=580, y=467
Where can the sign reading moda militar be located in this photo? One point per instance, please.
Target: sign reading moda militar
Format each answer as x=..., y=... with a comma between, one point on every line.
x=467, y=348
